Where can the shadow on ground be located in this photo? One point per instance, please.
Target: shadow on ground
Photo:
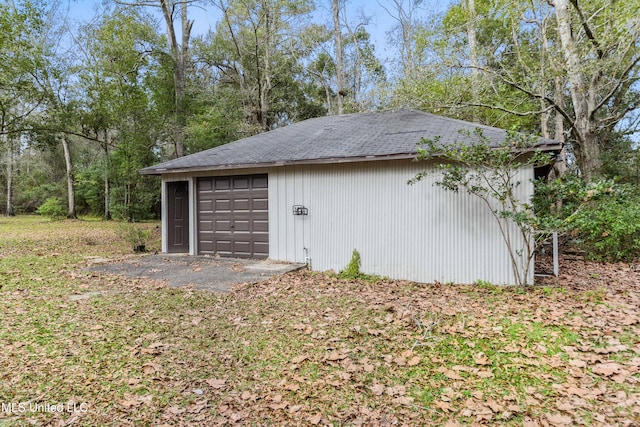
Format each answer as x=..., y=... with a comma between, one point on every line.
x=201, y=272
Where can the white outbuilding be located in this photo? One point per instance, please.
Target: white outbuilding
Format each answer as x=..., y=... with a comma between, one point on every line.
x=314, y=191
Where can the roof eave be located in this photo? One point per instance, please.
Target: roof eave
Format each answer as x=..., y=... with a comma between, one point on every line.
x=319, y=161
x=551, y=146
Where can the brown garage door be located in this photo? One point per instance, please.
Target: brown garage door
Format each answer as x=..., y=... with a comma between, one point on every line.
x=233, y=216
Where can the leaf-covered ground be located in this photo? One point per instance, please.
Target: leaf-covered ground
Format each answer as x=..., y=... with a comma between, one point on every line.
x=305, y=349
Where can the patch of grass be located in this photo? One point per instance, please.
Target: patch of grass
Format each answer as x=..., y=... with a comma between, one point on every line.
x=594, y=295
x=487, y=285
x=553, y=290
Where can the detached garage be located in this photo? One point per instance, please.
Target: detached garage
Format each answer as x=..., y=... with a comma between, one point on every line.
x=314, y=191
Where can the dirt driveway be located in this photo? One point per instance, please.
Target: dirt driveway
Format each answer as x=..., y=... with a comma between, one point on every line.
x=201, y=272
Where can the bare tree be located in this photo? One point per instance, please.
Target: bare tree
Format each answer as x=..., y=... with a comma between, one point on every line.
x=406, y=15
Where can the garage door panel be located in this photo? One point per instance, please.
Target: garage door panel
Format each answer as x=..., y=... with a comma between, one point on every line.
x=205, y=185
x=242, y=226
x=224, y=244
x=206, y=246
x=260, y=182
x=242, y=248
x=205, y=226
x=242, y=205
x=205, y=206
x=221, y=184
x=233, y=214
x=261, y=205
x=222, y=226
x=222, y=205
x=261, y=249
x=241, y=183
x=260, y=226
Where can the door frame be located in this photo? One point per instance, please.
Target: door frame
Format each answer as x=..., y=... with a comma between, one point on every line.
x=172, y=204
x=165, y=195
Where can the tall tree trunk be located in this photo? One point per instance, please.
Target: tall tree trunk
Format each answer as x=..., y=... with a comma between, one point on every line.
x=584, y=130
x=559, y=128
x=561, y=164
x=180, y=54
x=247, y=106
x=127, y=202
x=542, y=83
x=9, y=145
x=357, y=72
x=544, y=119
x=71, y=192
x=327, y=94
x=266, y=86
x=107, y=183
x=473, y=53
x=337, y=29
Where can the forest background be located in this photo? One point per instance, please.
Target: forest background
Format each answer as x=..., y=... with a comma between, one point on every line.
x=86, y=100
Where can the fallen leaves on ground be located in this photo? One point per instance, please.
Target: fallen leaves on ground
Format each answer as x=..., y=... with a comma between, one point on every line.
x=308, y=348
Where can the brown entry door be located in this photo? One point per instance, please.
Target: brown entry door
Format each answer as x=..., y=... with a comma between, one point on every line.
x=178, y=220
x=233, y=216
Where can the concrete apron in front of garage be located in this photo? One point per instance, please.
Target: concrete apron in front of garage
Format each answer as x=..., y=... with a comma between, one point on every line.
x=201, y=272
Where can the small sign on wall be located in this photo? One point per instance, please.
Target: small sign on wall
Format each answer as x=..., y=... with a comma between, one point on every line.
x=300, y=210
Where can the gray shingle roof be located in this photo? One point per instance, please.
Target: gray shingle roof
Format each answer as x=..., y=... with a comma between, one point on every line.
x=333, y=139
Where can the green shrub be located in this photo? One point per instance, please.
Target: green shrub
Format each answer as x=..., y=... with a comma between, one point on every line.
x=609, y=228
x=352, y=270
x=570, y=190
x=134, y=235
x=52, y=208
x=30, y=195
x=601, y=217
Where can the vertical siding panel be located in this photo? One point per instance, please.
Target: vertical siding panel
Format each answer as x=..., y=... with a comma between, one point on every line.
x=274, y=220
x=308, y=202
x=299, y=220
x=286, y=212
x=416, y=232
x=287, y=196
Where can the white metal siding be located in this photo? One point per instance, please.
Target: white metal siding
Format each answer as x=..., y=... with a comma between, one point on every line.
x=416, y=232
x=289, y=234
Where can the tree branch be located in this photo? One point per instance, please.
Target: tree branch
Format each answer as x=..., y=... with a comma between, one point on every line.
x=533, y=95
x=147, y=3
x=49, y=129
x=621, y=81
x=506, y=110
x=587, y=29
